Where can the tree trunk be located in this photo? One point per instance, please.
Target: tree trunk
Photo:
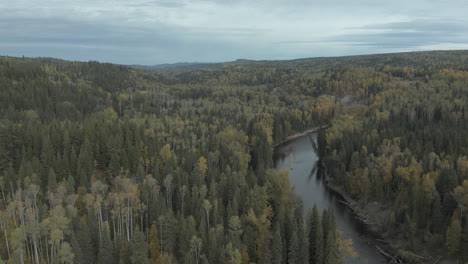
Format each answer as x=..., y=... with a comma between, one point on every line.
x=5, y=232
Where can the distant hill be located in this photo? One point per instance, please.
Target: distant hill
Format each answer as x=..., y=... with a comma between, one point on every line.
x=173, y=65
x=433, y=59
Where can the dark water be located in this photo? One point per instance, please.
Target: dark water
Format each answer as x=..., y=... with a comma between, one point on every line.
x=299, y=158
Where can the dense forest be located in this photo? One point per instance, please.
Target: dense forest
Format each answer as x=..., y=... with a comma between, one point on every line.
x=103, y=163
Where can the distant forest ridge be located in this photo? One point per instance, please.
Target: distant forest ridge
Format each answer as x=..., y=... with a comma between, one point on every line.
x=447, y=58
x=437, y=59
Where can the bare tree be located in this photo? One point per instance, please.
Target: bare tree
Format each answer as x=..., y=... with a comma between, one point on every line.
x=195, y=248
x=207, y=206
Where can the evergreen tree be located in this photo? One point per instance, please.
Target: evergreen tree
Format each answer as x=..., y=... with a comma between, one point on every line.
x=313, y=229
x=106, y=247
x=319, y=243
x=86, y=244
x=437, y=218
x=138, y=249
x=154, y=244
x=124, y=254
x=277, y=247
x=294, y=248
x=76, y=249
x=454, y=235
x=331, y=249
x=52, y=181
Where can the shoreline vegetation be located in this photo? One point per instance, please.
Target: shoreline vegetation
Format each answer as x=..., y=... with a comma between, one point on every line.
x=299, y=135
x=384, y=245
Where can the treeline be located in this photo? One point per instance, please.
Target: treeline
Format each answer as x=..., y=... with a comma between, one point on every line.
x=405, y=150
x=397, y=141
x=103, y=164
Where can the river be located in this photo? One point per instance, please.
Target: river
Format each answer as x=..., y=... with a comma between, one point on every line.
x=299, y=158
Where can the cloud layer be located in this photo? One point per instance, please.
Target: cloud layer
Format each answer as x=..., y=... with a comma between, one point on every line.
x=162, y=31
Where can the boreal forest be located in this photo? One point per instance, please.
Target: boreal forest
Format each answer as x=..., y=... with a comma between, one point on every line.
x=104, y=163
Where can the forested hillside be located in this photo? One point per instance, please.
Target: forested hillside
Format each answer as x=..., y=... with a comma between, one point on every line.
x=102, y=163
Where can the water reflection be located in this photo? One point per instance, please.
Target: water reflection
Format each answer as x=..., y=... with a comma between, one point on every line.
x=300, y=159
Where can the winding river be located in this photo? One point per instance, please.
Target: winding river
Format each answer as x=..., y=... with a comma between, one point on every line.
x=299, y=158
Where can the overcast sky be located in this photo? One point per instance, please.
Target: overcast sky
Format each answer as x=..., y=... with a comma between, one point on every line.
x=166, y=31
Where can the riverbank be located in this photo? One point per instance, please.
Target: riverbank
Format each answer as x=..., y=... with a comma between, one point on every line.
x=296, y=154
x=375, y=228
x=374, y=217
x=298, y=135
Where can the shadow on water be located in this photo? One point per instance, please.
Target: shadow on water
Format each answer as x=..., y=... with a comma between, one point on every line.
x=300, y=157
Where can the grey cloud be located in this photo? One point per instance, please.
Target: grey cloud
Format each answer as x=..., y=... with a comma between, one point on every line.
x=167, y=4
x=67, y=31
x=410, y=34
x=423, y=25
x=160, y=31
x=76, y=40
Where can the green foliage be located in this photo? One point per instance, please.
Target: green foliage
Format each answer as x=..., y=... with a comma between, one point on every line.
x=106, y=248
x=138, y=249
x=454, y=235
x=154, y=246
x=314, y=236
x=104, y=163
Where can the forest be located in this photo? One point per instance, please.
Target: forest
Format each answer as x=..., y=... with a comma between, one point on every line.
x=104, y=163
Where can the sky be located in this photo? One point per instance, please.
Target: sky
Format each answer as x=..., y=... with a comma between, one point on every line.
x=151, y=32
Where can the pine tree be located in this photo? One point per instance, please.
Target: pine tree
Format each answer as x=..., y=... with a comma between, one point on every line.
x=47, y=153
x=76, y=249
x=70, y=184
x=52, y=181
x=454, y=235
x=294, y=248
x=331, y=247
x=332, y=252
x=83, y=236
x=154, y=244
x=85, y=167
x=124, y=254
x=319, y=243
x=277, y=246
x=106, y=247
x=437, y=218
x=464, y=253
x=313, y=222
x=138, y=248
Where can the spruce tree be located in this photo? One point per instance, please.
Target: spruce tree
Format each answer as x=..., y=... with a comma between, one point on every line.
x=277, y=246
x=106, y=247
x=138, y=248
x=319, y=243
x=454, y=235
x=313, y=222
x=294, y=248
x=331, y=252
x=52, y=181
x=154, y=244
x=83, y=236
